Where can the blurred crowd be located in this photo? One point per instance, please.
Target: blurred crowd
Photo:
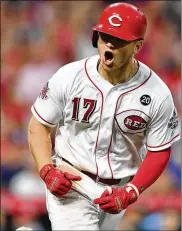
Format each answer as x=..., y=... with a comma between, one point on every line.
x=37, y=38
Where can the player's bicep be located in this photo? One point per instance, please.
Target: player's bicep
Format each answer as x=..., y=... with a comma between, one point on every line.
x=47, y=107
x=35, y=125
x=163, y=129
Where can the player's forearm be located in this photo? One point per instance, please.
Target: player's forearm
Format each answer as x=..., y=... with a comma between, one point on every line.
x=39, y=139
x=150, y=169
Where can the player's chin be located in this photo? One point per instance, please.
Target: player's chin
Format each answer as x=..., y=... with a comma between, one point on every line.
x=110, y=68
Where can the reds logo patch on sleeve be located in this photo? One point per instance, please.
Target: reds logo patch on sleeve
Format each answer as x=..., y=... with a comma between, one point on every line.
x=43, y=93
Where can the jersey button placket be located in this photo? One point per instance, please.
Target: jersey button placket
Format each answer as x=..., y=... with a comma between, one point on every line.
x=101, y=153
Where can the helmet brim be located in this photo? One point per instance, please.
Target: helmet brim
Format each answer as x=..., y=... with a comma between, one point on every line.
x=113, y=32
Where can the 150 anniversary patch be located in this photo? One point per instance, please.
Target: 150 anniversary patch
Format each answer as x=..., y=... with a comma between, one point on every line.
x=173, y=122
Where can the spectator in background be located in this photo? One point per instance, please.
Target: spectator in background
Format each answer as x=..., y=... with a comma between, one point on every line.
x=3, y=220
x=26, y=219
x=34, y=74
x=168, y=219
x=18, y=183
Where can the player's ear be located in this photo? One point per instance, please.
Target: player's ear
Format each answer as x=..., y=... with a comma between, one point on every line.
x=138, y=46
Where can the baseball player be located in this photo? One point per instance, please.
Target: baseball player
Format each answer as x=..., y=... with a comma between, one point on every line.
x=115, y=120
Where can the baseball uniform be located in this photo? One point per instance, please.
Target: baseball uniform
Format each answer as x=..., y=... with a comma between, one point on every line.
x=102, y=129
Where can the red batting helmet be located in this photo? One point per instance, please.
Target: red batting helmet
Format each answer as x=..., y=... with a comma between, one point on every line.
x=121, y=20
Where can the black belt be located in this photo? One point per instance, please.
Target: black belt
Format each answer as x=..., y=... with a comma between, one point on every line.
x=98, y=179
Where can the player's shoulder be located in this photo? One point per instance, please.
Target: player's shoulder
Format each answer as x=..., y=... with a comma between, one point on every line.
x=155, y=83
x=69, y=75
x=71, y=69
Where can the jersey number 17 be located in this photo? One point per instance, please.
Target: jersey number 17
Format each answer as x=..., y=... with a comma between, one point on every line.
x=89, y=104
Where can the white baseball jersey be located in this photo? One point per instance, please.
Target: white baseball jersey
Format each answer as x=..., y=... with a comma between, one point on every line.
x=107, y=129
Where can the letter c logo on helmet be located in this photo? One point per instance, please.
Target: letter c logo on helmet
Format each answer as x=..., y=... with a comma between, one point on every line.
x=115, y=16
x=121, y=20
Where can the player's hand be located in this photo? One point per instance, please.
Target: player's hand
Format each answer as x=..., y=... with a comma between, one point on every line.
x=57, y=182
x=117, y=201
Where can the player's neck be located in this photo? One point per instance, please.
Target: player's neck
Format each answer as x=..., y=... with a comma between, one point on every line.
x=121, y=75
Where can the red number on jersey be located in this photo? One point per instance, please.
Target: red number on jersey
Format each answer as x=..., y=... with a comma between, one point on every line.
x=76, y=102
x=90, y=104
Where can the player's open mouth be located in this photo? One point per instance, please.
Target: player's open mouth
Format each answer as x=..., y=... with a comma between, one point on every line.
x=108, y=58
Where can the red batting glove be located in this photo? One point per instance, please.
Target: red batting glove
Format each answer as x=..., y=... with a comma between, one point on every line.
x=118, y=200
x=57, y=182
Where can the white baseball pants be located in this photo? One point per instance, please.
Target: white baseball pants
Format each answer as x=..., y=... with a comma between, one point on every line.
x=75, y=210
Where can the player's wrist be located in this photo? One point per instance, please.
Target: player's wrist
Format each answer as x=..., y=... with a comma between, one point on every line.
x=129, y=187
x=45, y=169
x=132, y=191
